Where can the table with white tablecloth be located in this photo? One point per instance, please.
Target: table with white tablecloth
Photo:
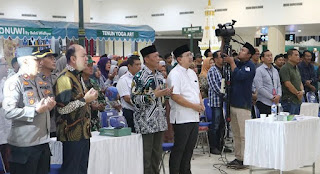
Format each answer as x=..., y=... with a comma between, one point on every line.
x=109, y=155
x=282, y=145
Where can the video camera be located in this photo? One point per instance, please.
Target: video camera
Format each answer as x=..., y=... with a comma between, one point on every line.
x=226, y=30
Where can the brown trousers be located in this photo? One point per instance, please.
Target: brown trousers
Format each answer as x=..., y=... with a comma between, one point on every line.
x=238, y=118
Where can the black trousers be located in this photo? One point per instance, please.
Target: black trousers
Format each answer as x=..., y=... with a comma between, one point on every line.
x=185, y=138
x=263, y=109
x=152, y=151
x=128, y=114
x=75, y=157
x=30, y=160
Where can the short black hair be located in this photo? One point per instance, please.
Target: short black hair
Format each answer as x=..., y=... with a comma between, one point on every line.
x=285, y=56
x=105, y=55
x=306, y=51
x=124, y=63
x=70, y=52
x=207, y=52
x=290, y=52
x=278, y=56
x=132, y=58
x=167, y=56
x=235, y=54
x=215, y=54
x=198, y=55
x=13, y=61
x=263, y=52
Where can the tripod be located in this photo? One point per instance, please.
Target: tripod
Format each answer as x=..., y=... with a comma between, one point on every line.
x=226, y=75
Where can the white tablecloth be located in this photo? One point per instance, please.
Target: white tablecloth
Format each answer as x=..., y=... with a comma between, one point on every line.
x=282, y=145
x=109, y=155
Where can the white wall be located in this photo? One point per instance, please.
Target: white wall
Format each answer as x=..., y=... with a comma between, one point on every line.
x=107, y=11
x=43, y=8
x=273, y=12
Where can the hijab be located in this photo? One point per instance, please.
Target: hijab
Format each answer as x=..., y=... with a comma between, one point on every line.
x=205, y=67
x=102, y=66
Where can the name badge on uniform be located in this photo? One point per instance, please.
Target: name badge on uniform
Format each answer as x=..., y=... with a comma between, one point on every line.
x=31, y=101
x=247, y=69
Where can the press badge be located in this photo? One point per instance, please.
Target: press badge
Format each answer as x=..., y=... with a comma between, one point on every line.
x=247, y=68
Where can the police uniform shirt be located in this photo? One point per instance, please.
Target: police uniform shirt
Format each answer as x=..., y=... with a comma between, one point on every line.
x=21, y=96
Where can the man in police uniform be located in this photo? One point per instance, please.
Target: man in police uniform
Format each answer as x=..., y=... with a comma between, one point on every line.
x=47, y=66
x=27, y=104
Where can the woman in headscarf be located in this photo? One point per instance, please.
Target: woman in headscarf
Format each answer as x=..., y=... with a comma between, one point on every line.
x=122, y=70
x=98, y=77
x=203, y=81
x=104, y=65
x=113, y=76
x=99, y=104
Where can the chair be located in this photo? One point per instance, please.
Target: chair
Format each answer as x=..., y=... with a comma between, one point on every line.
x=309, y=109
x=311, y=97
x=256, y=111
x=203, y=138
x=55, y=168
x=208, y=110
x=2, y=166
x=166, y=147
x=204, y=127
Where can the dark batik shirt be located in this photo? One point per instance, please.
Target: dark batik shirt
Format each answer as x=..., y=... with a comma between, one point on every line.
x=149, y=115
x=73, y=122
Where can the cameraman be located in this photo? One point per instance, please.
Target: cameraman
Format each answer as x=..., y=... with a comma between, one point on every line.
x=242, y=74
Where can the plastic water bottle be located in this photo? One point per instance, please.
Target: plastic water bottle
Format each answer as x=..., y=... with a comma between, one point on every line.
x=274, y=109
x=280, y=109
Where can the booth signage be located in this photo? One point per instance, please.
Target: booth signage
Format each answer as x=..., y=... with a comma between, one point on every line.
x=25, y=31
x=190, y=30
x=108, y=33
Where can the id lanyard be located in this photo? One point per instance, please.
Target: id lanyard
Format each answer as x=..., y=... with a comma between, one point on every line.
x=274, y=92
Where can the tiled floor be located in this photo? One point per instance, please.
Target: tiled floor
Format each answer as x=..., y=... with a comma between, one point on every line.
x=203, y=164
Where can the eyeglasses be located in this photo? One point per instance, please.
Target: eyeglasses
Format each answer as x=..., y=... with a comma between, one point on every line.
x=189, y=55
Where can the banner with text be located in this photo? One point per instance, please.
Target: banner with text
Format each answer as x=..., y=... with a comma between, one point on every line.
x=120, y=34
x=21, y=32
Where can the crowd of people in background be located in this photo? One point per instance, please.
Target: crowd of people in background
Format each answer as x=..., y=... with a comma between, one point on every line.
x=160, y=98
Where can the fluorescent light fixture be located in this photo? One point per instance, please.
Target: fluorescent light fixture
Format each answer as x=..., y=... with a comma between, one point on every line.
x=299, y=31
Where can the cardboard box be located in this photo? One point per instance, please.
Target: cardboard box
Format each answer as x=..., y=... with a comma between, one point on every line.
x=115, y=132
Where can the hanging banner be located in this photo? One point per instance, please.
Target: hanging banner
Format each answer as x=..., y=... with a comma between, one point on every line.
x=25, y=31
x=108, y=33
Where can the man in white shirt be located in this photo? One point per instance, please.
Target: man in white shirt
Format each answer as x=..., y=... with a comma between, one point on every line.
x=186, y=103
x=124, y=89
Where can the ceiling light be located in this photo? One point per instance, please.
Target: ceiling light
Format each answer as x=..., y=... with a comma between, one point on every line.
x=299, y=31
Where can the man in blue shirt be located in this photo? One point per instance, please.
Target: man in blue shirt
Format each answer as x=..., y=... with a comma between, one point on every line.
x=243, y=72
x=308, y=75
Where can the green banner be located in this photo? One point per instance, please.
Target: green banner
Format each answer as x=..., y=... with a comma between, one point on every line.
x=108, y=33
x=25, y=31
